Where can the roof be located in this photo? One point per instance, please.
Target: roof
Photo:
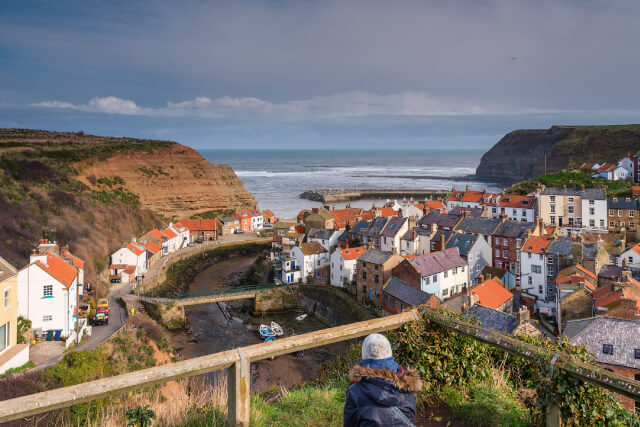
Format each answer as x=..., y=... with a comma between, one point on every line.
x=72, y=259
x=579, y=268
x=457, y=210
x=6, y=270
x=352, y=253
x=393, y=226
x=136, y=248
x=200, y=224
x=536, y=244
x=152, y=247
x=228, y=219
x=129, y=269
x=493, y=271
x=375, y=227
x=321, y=233
x=323, y=213
x=169, y=233
x=491, y=294
x=436, y=262
x=610, y=271
x=588, y=193
x=490, y=318
x=590, y=250
x=58, y=269
x=595, y=332
x=441, y=220
x=158, y=234
x=522, y=202
x=118, y=266
x=622, y=203
x=247, y=213
x=419, y=232
x=562, y=246
x=463, y=242
x=405, y=293
x=435, y=204
x=359, y=227
x=267, y=212
x=312, y=248
x=478, y=225
x=375, y=256
x=514, y=229
x=607, y=167
x=387, y=211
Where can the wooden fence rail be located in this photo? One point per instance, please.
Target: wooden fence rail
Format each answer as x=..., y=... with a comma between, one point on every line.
x=238, y=361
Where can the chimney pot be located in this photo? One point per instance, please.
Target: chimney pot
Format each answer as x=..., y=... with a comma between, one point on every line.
x=522, y=315
x=480, y=278
x=467, y=188
x=488, y=276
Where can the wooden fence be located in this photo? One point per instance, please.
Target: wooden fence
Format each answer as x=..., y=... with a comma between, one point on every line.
x=238, y=362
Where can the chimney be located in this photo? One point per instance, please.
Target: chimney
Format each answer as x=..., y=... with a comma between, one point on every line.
x=488, y=276
x=315, y=210
x=434, y=227
x=522, y=315
x=414, y=234
x=467, y=188
x=503, y=218
x=480, y=278
x=442, y=242
x=471, y=300
x=564, y=187
x=539, y=227
x=326, y=207
x=465, y=213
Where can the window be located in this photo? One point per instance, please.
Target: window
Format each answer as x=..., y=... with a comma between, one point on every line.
x=462, y=268
x=376, y=267
x=4, y=336
x=536, y=269
x=621, y=223
x=529, y=255
x=530, y=280
x=592, y=211
x=552, y=199
x=632, y=225
x=47, y=291
x=636, y=353
x=579, y=221
x=364, y=289
x=611, y=224
x=505, y=254
x=607, y=348
x=540, y=257
x=570, y=199
x=540, y=289
x=446, y=274
x=592, y=223
x=570, y=220
x=505, y=242
x=445, y=293
x=7, y=306
x=455, y=270
x=364, y=275
x=518, y=243
x=497, y=241
x=393, y=302
x=619, y=213
x=570, y=209
x=611, y=212
x=550, y=270
x=377, y=279
x=591, y=202
x=47, y=318
x=553, y=208
x=630, y=260
x=631, y=214
x=427, y=280
x=553, y=220
x=493, y=210
x=515, y=212
x=497, y=253
x=386, y=297
x=340, y=267
x=602, y=223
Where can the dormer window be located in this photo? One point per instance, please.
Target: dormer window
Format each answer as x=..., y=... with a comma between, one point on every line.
x=607, y=348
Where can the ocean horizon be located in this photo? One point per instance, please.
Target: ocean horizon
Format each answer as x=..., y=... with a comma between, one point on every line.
x=276, y=178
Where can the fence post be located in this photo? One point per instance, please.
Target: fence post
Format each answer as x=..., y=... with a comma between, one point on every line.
x=554, y=418
x=239, y=388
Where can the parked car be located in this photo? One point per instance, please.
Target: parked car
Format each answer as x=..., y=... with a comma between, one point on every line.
x=191, y=244
x=238, y=231
x=100, y=318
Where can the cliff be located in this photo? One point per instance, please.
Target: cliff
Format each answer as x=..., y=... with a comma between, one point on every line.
x=520, y=154
x=174, y=182
x=96, y=192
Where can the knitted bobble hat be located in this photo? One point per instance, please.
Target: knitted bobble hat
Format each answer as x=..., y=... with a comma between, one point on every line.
x=376, y=346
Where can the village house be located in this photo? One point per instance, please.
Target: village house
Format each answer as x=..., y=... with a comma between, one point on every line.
x=480, y=226
x=416, y=241
x=398, y=296
x=444, y=222
x=574, y=209
x=507, y=240
x=346, y=218
x=465, y=199
x=630, y=257
x=318, y=218
x=154, y=252
x=622, y=214
x=310, y=257
x=574, y=288
x=327, y=238
x=533, y=267
x=183, y=235
x=611, y=172
x=290, y=271
x=516, y=208
x=374, y=269
x=505, y=323
x=371, y=235
x=48, y=292
x=474, y=249
x=615, y=343
x=619, y=298
x=278, y=246
x=592, y=255
x=343, y=265
x=158, y=237
x=442, y=273
x=418, y=210
x=507, y=277
x=493, y=294
x=250, y=220
x=134, y=254
x=12, y=354
x=201, y=229
x=268, y=217
x=390, y=235
x=228, y=225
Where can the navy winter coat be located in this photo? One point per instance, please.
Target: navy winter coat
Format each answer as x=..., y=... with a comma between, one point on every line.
x=373, y=393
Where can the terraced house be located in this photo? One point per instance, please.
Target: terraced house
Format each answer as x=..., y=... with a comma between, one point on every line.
x=12, y=354
x=622, y=214
x=374, y=269
x=574, y=209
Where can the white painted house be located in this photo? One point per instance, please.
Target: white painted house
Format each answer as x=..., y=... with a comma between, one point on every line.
x=627, y=163
x=133, y=254
x=48, y=293
x=290, y=271
x=327, y=238
x=474, y=249
x=630, y=257
x=442, y=273
x=309, y=257
x=594, y=212
x=417, y=241
x=183, y=233
x=391, y=234
x=533, y=269
x=343, y=265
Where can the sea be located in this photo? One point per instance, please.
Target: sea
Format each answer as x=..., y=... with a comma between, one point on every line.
x=276, y=178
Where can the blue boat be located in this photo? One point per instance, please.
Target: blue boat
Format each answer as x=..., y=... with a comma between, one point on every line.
x=266, y=331
x=269, y=339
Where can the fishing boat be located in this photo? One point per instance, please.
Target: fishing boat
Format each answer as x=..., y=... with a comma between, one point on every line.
x=301, y=317
x=266, y=331
x=276, y=328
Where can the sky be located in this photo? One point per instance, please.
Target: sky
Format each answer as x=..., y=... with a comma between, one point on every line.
x=318, y=74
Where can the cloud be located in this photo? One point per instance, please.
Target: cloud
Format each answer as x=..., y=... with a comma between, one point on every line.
x=342, y=105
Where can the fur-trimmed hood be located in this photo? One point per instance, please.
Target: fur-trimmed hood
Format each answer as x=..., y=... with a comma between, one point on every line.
x=409, y=381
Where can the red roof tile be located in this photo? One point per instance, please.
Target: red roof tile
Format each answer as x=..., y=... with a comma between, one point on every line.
x=58, y=269
x=536, y=245
x=491, y=294
x=153, y=248
x=136, y=248
x=352, y=253
x=169, y=233
x=75, y=261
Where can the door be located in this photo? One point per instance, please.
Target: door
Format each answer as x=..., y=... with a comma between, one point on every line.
x=560, y=221
x=370, y=294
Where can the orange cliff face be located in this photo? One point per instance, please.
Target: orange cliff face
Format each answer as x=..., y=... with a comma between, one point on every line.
x=175, y=181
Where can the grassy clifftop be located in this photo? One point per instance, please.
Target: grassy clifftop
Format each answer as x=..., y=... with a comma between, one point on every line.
x=576, y=179
x=527, y=154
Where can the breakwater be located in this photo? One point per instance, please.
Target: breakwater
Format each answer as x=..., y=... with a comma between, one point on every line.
x=345, y=195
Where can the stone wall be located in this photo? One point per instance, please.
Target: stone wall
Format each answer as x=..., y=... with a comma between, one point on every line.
x=331, y=304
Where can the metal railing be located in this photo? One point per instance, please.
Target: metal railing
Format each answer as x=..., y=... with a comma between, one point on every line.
x=239, y=360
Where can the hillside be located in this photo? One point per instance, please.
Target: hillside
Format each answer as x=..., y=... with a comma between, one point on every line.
x=95, y=192
x=572, y=180
x=520, y=155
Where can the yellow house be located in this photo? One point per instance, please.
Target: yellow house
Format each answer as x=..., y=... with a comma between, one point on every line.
x=12, y=354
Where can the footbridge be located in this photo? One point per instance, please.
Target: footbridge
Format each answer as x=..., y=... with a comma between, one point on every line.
x=217, y=295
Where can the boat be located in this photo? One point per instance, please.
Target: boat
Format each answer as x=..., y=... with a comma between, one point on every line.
x=276, y=328
x=269, y=339
x=301, y=317
x=266, y=331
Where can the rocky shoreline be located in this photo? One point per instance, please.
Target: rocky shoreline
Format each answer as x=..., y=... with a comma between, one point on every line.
x=345, y=195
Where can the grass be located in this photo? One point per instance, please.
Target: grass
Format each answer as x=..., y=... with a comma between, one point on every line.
x=213, y=214
x=573, y=180
x=24, y=367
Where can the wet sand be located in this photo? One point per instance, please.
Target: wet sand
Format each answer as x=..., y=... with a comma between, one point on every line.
x=213, y=333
